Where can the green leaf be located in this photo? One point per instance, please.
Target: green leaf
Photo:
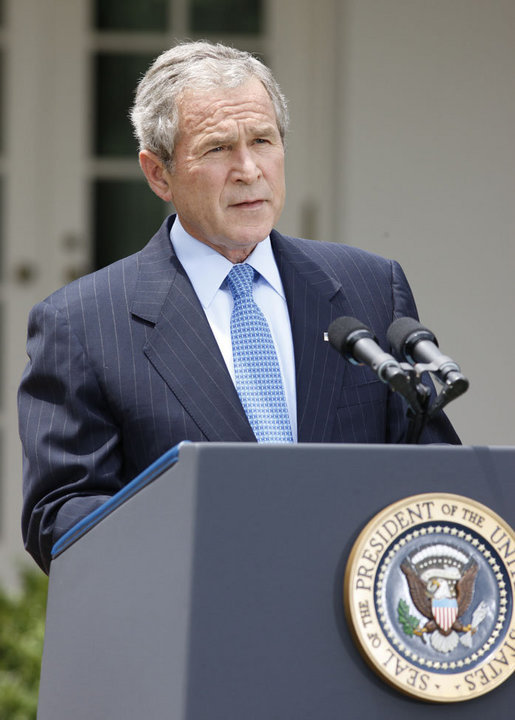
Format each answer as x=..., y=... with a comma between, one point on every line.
x=22, y=629
x=408, y=622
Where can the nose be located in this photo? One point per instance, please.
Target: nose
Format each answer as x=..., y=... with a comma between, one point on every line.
x=245, y=168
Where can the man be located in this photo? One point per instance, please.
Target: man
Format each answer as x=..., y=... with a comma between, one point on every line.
x=129, y=361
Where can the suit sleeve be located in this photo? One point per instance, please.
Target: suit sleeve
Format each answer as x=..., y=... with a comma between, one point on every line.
x=439, y=428
x=71, y=447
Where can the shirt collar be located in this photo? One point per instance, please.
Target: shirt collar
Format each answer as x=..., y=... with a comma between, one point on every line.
x=207, y=268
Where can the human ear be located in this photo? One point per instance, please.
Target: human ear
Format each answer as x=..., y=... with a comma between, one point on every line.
x=156, y=174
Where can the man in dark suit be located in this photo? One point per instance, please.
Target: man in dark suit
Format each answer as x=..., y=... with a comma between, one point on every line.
x=129, y=361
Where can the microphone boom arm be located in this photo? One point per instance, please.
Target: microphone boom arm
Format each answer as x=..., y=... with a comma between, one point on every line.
x=455, y=383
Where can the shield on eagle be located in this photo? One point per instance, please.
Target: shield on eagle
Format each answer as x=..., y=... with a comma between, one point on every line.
x=445, y=612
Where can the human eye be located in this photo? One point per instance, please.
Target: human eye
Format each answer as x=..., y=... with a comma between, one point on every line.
x=217, y=145
x=213, y=149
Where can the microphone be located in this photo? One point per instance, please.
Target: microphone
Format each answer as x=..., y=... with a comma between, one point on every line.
x=417, y=344
x=358, y=344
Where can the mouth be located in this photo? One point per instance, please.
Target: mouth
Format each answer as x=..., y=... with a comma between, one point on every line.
x=249, y=204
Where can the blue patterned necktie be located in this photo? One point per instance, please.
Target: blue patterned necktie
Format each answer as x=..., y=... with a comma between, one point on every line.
x=256, y=367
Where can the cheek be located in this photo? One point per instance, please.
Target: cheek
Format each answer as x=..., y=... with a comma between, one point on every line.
x=279, y=188
x=276, y=173
x=208, y=184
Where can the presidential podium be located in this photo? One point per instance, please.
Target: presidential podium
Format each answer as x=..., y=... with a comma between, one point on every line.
x=211, y=587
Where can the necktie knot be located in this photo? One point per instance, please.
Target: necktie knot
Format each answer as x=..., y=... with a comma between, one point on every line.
x=240, y=280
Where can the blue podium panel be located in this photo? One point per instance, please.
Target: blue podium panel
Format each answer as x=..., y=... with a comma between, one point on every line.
x=216, y=590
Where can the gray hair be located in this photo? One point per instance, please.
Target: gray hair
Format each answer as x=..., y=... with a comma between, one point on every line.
x=198, y=65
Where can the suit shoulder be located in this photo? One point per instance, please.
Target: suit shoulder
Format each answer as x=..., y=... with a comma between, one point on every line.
x=116, y=283
x=343, y=251
x=334, y=256
x=98, y=289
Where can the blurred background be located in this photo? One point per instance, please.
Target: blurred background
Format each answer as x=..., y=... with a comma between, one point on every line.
x=402, y=142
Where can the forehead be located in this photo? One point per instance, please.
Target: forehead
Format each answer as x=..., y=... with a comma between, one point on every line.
x=216, y=109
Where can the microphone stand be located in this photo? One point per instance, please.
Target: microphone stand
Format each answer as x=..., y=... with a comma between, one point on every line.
x=452, y=389
x=417, y=396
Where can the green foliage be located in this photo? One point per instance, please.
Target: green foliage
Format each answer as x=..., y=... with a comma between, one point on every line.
x=22, y=629
x=408, y=622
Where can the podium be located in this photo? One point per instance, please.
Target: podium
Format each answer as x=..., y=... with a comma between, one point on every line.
x=212, y=588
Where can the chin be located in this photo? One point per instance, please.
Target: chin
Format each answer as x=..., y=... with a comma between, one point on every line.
x=249, y=244
x=252, y=235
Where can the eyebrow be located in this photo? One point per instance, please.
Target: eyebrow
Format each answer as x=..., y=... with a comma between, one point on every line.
x=229, y=138
x=264, y=130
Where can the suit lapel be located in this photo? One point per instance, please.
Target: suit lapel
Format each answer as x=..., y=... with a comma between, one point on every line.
x=181, y=345
x=314, y=300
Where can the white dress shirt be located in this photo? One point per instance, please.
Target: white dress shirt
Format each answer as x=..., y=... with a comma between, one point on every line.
x=207, y=270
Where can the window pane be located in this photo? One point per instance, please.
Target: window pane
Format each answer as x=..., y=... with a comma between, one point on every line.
x=131, y=14
x=116, y=77
x=226, y=16
x=127, y=214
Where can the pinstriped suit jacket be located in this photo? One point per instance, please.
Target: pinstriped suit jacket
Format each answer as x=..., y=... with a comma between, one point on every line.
x=123, y=365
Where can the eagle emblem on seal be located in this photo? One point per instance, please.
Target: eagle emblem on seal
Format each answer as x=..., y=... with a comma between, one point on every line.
x=441, y=580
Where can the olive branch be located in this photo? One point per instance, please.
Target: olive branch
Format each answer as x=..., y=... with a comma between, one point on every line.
x=408, y=622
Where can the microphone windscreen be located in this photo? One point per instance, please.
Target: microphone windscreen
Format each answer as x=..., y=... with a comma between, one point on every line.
x=401, y=331
x=341, y=333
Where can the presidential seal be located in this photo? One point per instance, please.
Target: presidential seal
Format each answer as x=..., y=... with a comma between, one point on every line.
x=428, y=594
